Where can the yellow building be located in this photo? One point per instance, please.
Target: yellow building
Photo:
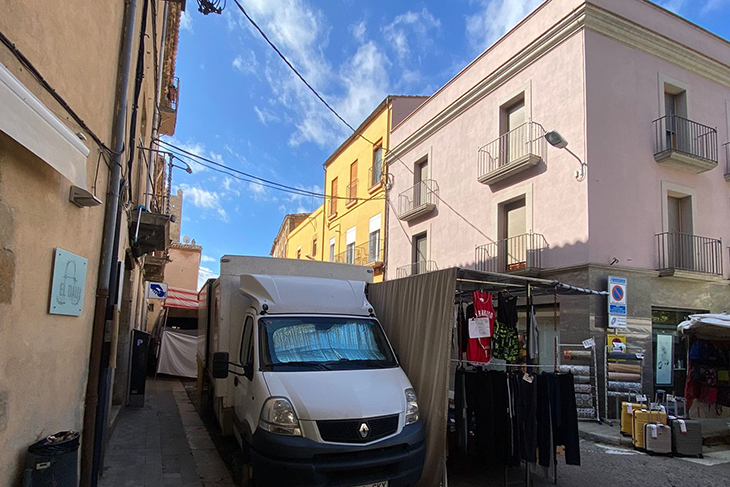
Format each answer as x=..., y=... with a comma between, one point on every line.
x=304, y=241
x=350, y=226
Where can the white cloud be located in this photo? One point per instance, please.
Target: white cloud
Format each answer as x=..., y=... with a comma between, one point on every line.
x=358, y=31
x=205, y=200
x=674, y=5
x=246, y=62
x=413, y=25
x=206, y=258
x=204, y=274
x=714, y=5
x=265, y=115
x=366, y=81
x=495, y=18
x=186, y=22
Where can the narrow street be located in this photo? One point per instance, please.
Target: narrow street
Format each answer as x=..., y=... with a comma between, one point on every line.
x=166, y=443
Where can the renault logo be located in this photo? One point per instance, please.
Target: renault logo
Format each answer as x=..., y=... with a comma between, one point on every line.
x=364, y=430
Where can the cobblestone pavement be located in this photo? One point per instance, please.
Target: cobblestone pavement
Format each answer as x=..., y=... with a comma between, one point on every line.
x=611, y=466
x=163, y=444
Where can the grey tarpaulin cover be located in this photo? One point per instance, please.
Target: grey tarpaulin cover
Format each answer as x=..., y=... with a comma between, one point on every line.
x=403, y=306
x=177, y=354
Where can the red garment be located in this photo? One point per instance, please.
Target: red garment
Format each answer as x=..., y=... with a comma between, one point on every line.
x=480, y=349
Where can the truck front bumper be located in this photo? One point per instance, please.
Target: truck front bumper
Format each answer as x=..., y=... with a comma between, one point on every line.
x=295, y=461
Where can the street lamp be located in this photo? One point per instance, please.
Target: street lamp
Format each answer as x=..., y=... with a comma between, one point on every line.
x=558, y=141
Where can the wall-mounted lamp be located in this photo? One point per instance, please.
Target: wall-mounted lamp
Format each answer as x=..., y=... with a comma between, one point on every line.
x=558, y=141
x=82, y=198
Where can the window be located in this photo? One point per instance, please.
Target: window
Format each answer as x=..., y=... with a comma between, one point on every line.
x=323, y=343
x=333, y=197
x=299, y=253
x=352, y=187
x=245, y=355
x=350, y=245
x=332, y=249
x=314, y=247
x=513, y=242
x=420, y=254
x=374, y=239
x=512, y=116
x=421, y=193
x=376, y=172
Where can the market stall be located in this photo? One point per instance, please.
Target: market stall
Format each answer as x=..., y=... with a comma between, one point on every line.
x=175, y=335
x=707, y=388
x=473, y=361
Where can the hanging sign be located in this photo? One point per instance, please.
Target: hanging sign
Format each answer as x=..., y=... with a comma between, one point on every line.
x=156, y=290
x=69, y=282
x=589, y=343
x=479, y=328
x=616, y=302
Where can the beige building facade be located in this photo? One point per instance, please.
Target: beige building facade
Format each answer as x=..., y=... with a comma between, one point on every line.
x=59, y=100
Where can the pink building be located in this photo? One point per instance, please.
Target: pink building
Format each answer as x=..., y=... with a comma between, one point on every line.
x=642, y=96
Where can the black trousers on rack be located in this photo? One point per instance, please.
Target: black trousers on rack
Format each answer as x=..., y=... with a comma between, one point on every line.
x=557, y=418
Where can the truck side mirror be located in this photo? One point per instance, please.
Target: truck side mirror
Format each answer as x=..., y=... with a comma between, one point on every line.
x=220, y=365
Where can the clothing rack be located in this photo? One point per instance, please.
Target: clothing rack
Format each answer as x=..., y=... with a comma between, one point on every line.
x=616, y=392
x=493, y=364
x=592, y=412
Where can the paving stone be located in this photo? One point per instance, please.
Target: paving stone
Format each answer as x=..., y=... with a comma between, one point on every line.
x=163, y=444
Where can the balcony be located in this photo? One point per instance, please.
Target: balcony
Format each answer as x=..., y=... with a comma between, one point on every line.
x=513, y=152
x=727, y=161
x=685, y=144
x=678, y=252
x=352, y=193
x=148, y=231
x=168, y=107
x=418, y=200
x=375, y=176
x=154, y=267
x=353, y=255
x=522, y=254
x=420, y=267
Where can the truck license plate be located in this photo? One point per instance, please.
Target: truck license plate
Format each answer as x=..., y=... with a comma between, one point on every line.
x=375, y=484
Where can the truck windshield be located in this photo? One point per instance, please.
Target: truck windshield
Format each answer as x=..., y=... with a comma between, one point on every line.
x=323, y=343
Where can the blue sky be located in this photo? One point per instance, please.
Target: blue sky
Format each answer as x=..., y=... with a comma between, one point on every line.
x=241, y=106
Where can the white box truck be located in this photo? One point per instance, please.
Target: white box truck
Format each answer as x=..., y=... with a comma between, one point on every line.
x=300, y=371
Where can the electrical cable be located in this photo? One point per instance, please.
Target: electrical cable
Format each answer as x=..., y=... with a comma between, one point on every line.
x=283, y=58
x=276, y=49
x=42, y=81
x=184, y=154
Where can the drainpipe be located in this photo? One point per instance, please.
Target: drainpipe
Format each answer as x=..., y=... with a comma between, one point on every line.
x=90, y=468
x=156, y=112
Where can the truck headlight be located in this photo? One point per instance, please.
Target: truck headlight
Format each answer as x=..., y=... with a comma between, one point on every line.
x=278, y=417
x=411, y=406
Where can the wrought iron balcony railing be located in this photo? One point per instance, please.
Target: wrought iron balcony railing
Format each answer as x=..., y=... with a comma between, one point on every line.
x=518, y=149
x=685, y=143
x=727, y=161
x=375, y=175
x=420, y=267
x=520, y=253
x=332, y=205
x=352, y=255
x=686, y=252
x=418, y=200
x=372, y=251
x=352, y=192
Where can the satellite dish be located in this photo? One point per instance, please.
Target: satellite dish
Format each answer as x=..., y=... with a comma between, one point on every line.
x=186, y=239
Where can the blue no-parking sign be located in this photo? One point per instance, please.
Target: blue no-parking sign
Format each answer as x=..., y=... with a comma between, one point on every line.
x=616, y=302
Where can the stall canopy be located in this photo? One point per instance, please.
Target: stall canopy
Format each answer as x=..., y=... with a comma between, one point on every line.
x=417, y=314
x=181, y=298
x=707, y=326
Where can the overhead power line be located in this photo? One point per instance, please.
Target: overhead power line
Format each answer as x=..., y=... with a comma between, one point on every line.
x=276, y=49
x=248, y=177
x=299, y=75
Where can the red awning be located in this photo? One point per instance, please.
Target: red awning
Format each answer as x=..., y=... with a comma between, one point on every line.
x=181, y=298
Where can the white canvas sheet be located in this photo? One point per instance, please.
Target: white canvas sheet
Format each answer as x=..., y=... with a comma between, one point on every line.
x=177, y=354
